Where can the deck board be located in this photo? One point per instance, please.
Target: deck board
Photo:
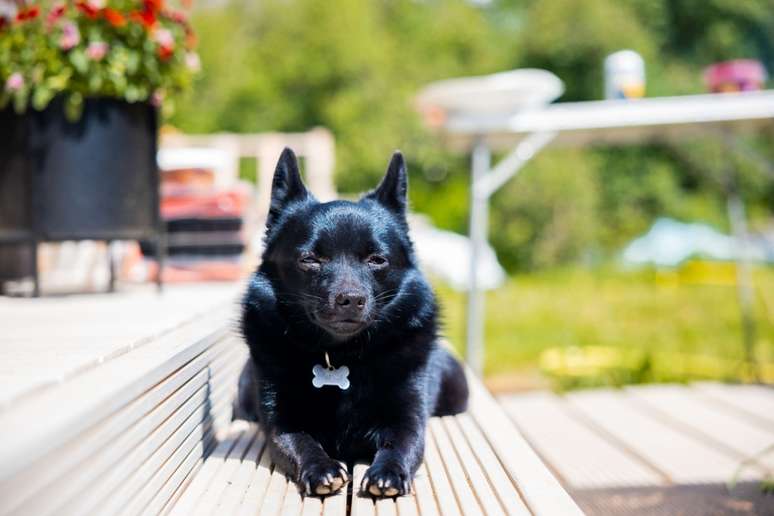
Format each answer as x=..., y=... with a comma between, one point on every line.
x=581, y=456
x=537, y=486
x=503, y=486
x=46, y=341
x=463, y=491
x=697, y=433
x=683, y=458
x=753, y=402
x=480, y=485
x=461, y=474
x=684, y=406
x=138, y=412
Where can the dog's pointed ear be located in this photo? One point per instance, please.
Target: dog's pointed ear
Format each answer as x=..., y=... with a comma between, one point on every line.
x=392, y=192
x=287, y=186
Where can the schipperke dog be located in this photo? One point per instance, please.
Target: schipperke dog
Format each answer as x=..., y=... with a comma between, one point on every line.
x=342, y=331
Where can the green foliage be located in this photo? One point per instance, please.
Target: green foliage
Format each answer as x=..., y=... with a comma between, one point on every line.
x=348, y=65
x=354, y=66
x=128, y=49
x=547, y=216
x=649, y=323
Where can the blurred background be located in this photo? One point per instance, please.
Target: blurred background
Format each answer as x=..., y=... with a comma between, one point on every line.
x=559, y=229
x=614, y=262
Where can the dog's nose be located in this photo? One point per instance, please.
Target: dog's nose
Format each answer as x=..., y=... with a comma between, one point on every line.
x=350, y=301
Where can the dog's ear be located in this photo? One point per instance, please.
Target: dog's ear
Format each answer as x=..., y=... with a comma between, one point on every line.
x=393, y=190
x=287, y=186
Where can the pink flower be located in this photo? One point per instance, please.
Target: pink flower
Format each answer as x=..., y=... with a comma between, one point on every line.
x=164, y=38
x=97, y=50
x=70, y=36
x=15, y=82
x=97, y=4
x=192, y=61
x=157, y=98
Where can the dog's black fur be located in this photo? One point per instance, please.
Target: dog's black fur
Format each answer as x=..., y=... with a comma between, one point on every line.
x=341, y=277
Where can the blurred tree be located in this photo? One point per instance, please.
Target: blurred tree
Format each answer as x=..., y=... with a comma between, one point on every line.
x=354, y=67
x=348, y=65
x=547, y=216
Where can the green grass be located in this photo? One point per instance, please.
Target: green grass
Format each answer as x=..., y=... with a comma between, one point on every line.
x=651, y=316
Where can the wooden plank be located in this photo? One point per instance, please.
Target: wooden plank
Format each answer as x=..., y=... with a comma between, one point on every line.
x=100, y=392
x=82, y=332
x=275, y=494
x=444, y=495
x=200, y=483
x=156, y=446
x=459, y=480
x=498, y=478
x=166, y=492
x=336, y=505
x=682, y=458
x=291, y=506
x=210, y=498
x=128, y=476
x=733, y=435
x=407, y=505
x=237, y=487
x=423, y=491
x=313, y=506
x=582, y=457
x=257, y=486
x=184, y=483
x=361, y=504
x=537, y=486
x=161, y=475
x=475, y=475
x=149, y=409
x=754, y=402
x=386, y=507
x=209, y=444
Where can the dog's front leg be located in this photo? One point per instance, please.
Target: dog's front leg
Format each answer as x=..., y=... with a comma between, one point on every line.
x=301, y=457
x=399, y=453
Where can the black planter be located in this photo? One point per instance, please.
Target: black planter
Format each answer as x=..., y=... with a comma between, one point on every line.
x=93, y=179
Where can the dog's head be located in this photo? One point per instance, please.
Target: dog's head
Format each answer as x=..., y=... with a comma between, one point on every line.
x=338, y=265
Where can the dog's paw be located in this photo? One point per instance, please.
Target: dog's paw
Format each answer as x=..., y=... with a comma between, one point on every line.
x=386, y=480
x=323, y=477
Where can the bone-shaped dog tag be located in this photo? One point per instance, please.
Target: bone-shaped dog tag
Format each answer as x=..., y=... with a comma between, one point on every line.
x=331, y=376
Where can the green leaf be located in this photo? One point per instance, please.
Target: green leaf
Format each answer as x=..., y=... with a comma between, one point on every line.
x=79, y=60
x=41, y=97
x=73, y=106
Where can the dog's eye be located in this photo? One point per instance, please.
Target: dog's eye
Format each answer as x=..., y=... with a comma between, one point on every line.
x=376, y=261
x=309, y=262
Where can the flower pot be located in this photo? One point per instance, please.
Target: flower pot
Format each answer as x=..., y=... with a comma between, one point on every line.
x=95, y=178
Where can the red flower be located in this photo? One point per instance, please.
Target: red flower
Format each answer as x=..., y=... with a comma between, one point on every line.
x=3, y=22
x=153, y=5
x=55, y=14
x=29, y=13
x=146, y=18
x=164, y=52
x=88, y=10
x=113, y=17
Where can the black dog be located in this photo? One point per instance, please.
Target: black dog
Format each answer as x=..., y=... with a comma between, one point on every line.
x=338, y=292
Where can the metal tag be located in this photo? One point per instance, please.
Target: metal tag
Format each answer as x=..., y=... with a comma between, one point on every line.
x=331, y=376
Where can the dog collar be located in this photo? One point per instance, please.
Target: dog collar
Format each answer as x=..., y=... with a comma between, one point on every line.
x=329, y=375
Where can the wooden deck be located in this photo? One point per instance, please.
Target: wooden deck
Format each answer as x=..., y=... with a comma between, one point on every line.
x=110, y=401
x=475, y=464
x=45, y=341
x=659, y=449
x=121, y=404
